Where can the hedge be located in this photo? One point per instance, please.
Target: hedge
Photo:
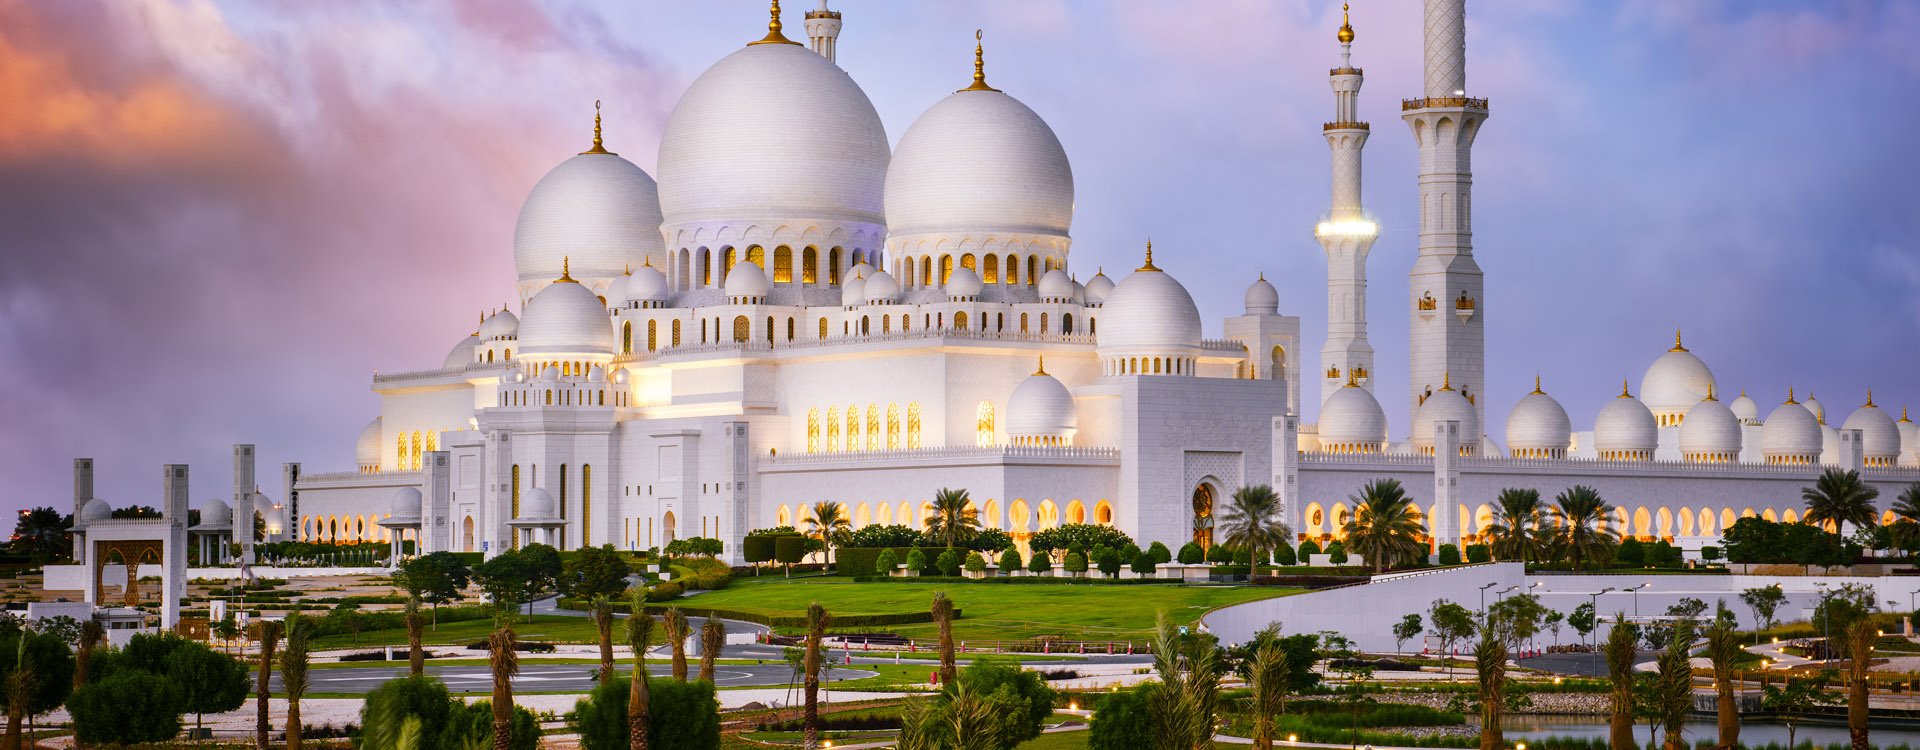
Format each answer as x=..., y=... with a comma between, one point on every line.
x=1094, y=580
x=778, y=621
x=858, y=561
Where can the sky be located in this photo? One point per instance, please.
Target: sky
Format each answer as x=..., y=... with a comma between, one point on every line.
x=217, y=220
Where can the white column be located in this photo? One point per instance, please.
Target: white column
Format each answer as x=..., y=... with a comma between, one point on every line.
x=1446, y=483
x=1286, y=468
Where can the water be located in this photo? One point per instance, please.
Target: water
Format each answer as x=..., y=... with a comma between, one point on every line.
x=1752, y=732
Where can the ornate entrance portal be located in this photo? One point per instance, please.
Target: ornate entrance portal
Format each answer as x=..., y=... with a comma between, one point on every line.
x=1203, y=515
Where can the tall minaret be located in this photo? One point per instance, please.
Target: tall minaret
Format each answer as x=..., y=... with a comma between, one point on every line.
x=823, y=30
x=1346, y=234
x=1444, y=288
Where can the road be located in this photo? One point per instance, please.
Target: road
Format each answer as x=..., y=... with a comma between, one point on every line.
x=534, y=676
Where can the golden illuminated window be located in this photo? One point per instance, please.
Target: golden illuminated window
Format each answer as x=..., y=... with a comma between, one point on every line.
x=626, y=337
x=400, y=453
x=886, y=324
x=413, y=452
x=946, y=268
x=586, y=505
x=893, y=427
x=433, y=440
x=789, y=329
x=813, y=430
x=873, y=427
x=913, y=425
x=1043, y=322
x=782, y=265
x=769, y=329
x=706, y=270
x=1023, y=322
x=809, y=265
x=676, y=333
x=967, y=261
x=757, y=256
x=853, y=427
x=833, y=266
x=823, y=328
x=742, y=328
x=653, y=335
x=926, y=270
x=1013, y=269
x=960, y=320
x=726, y=266
x=992, y=274
x=983, y=425
x=516, y=503
x=833, y=430
x=906, y=322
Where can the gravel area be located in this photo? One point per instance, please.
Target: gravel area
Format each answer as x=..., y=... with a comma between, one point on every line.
x=1561, y=704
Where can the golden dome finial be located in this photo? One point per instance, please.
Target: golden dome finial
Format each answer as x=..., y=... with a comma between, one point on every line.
x=1042, y=369
x=1903, y=414
x=1149, y=265
x=773, y=30
x=646, y=262
x=1352, y=379
x=1790, y=395
x=1446, y=381
x=1869, y=404
x=1346, y=27
x=566, y=271
x=1536, y=385
x=1676, y=342
x=979, y=64
x=1710, y=394
x=598, y=146
x=1624, y=391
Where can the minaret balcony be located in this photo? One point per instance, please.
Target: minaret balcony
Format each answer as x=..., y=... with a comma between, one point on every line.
x=1345, y=126
x=1467, y=102
x=1345, y=71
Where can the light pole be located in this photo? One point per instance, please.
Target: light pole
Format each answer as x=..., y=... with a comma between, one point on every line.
x=1636, y=596
x=1483, y=595
x=1910, y=594
x=1502, y=594
x=1826, y=622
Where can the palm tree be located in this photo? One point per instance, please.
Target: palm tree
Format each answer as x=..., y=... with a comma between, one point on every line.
x=602, y=612
x=416, y=625
x=1673, y=677
x=1906, y=531
x=20, y=686
x=1252, y=521
x=92, y=634
x=1582, y=516
x=1723, y=650
x=293, y=672
x=639, y=637
x=953, y=521
x=1858, y=637
x=1490, y=661
x=943, y=617
x=1385, y=528
x=1267, y=678
x=269, y=641
x=1181, y=707
x=505, y=661
x=817, y=619
x=677, y=632
x=1839, y=498
x=1623, y=642
x=829, y=524
x=1515, y=531
x=43, y=534
x=713, y=638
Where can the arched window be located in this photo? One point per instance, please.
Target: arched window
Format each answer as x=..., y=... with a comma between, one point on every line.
x=757, y=256
x=833, y=430
x=813, y=430
x=853, y=427
x=726, y=265
x=886, y=324
x=809, y=265
x=1043, y=324
x=626, y=337
x=1023, y=322
x=782, y=265
x=946, y=269
x=906, y=322
x=983, y=425
x=893, y=427
x=913, y=425
x=926, y=270
x=823, y=328
x=516, y=503
x=906, y=272
x=1013, y=269
x=864, y=328
x=1032, y=263
x=413, y=452
x=586, y=505
x=992, y=273
x=967, y=261
x=770, y=329
x=653, y=335
x=873, y=427
x=676, y=334
x=833, y=266
x=1066, y=322
x=1093, y=326
x=742, y=328
x=960, y=320
x=789, y=329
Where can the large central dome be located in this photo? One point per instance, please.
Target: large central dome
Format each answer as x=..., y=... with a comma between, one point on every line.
x=773, y=132
x=980, y=161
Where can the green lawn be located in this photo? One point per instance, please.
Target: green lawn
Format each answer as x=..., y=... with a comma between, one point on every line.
x=548, y=628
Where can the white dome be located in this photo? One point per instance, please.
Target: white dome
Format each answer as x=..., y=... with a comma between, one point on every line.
x=1041, y=407
x=1880, y=436
x=261, y=503
x=963, y=284
x=1745, y=409
x=1674, y=383
x=1829, y=441
x=979, y=161
x=1262, y=298
x=647, y=284
x=1056, y=285
x=853, y=292
x=1625, y=429
x=566, y=317
x=773, y=130
x=1352, y=419
x=1098, y=288
x=500, y=325
x=216, y=514
x=1909, y=437
x=366, y=448
x=1149, y=313
x=746, y=280
x=882, y=289
x=1814, y=407
x=1539, y=423
x=405, y=503
x=538, y=503
x=95, y=510
x=861, y=269
x=1711, y=432
x=548, y=374
x=597, y=209
x=1792, y=432
x=1079, y=293
x=1445, y=405
x=461, y=355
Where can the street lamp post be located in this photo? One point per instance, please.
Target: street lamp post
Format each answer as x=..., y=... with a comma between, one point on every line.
x=1636, y=596
x=1483, y=595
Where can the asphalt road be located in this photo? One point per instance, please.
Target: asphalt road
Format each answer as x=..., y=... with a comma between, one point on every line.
x=548, y=677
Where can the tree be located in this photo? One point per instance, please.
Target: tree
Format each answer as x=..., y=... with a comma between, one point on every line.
x=1515, y=531
x=1081, y=536
x=1408, y=628
x=1449, y=554
x=127, y=707
x=890, y=535
x=1252, y=521
x=1490, y=664
x=675, y=625
x=713, y=639
x=42, y=534
x=1581, y=516
x=1267, y=680
x=975, y=563
x=989, y=706
x=416, y=623
x=269, y=641
x=1623, y=641
x=885, y=562
x=92, y=634
x=1107, y=559
x=639, y=637
x=293, y=671
x=1674, y=685
x=1583, y=620
x=829, y=524
x=1838, y=498
x=544, y=568
x=507, y=579
x=1755, y=540
x=1452, y=623
x=1631, y=552
x=1009, y=561
x=1904, y=532
x=210, y=682
x=1283, y=555
x=1386, y=526
x=504, y=661
x=1796, y=697
x=1182, y=705
x=789, y=550
x=594, y=572
x=1074, y=563
x=990, y=540
x=1337, y=554
x=1161, y=555
x=817, y=619
x=37, y=670
x=1765, y=601
x=601, y=610
x=1144, y=564
x=1191, y=554
x=681, y=715
x=1554, y=619
x=1039, y=564
x=1723, y=653
x=948, y=563
x=943, y=620
x=435, y=578
x=952, y=520
x=1120, y=719
x=422, y=702
x=1858, y=637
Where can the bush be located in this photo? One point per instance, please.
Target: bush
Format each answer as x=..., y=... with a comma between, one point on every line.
x=788, y=550
x=1120, y=720
x=1110, y=561
x=1709, y=553
x=1219, y=555
x=1039, y=564
x=948, y=563
x=665, y=591
x=883, y=564
x=1009, y=561
x=421, y=698
x=1075, y=563
x=1191, y=554
x=131, y=706
x=474, y=722
x=976, y=563
x=1479, y=553
x=694, y=545
x=1449, y=554
x=1144, y=564
x=990, y=540
x=891, y=535
x=1337, y=553
x=1161, y=555
x=1631, y=551
x=1283, y=555
x=1243, y=557
x=916, y=560
x=757, y=549
x=679, y=714
x=1083, y=536
x=865, y=561
x=1308, y=547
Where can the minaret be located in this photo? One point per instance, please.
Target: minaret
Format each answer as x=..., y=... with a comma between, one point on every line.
x=1444, y=288
x=823, y=30
x=1346, y=234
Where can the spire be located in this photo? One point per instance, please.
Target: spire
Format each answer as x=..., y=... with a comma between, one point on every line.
x=1710, y=394
x=1149, y=266
x=773, y=30
x=598, y=147
x=566, y=271
x=1790, y=395
x=1624, y=392
x=1346, y=27
x=1903, y=414
x=1446, y=381
x=979, y=65
x=1536, y=385
x=1869, y=404
x=1042, y=369
x=1676, y=342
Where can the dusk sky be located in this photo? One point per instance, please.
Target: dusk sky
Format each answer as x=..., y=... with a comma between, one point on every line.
x=218, y=219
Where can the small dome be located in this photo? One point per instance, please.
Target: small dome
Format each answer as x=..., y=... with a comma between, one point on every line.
x=1792, y=435
x=405, y=503
x=979, y=161
x=549, y=374
x=1711, y=432
x=1056, y=286
x=500, y=325
x=276, y=520
x=1625, y=430
x=261, y=503
x=853, y=292
x=366, y=449
x=1149, y=313
x=1098, y=288
x=538, y=503
x=216, y=514
x=95, y=510
x=1909, y=437
x=1813, y=406
x=597, y=374
x=1880, y=436
x=1745, y=409
x=746, y=281
x=647, y=284
x=1538, y=426
x=1446, y=405
x=620, y=376
x=1262, y=298
x=882, y=289
x=1351, y=421
x=1675, y=382
x=461, y=355
x=860, y=269
x=566, y=317
x=1041, y=410
x=596, y=212
x=963, y=284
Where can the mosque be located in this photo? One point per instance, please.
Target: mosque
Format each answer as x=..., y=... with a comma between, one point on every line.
x=794, y=311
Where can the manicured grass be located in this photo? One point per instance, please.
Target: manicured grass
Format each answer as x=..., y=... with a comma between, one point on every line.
x=545, y=628
x=994, y=611
x=1073, y=740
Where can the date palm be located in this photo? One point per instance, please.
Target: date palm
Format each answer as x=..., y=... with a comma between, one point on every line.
x=1386, y=525
x=677, y=630
x=1723, y=652
x=92, y=634
x=269, y=642
x=1267, y=679
x=1182, y=705
x=293, y=672
x=1623, y=643
x=416, y=625
x=1490, y=663
x=817, y=619
x=1905, y=531
x=1515, y=532
x=943, y=618
x=1674, y=681
x=830, y=525
x=602, y=612
x=713, y=639
x=639, y=699
x=1252, y=521
x=504, y=660
x=1581, y=515
x=1839, y=498
x=952, y=521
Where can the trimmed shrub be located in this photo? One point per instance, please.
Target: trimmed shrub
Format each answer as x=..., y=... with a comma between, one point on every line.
x=1709, y=553
x=680, y=715
x=865, y=561
x=757, y=549
x=131, y=706
x=1283, y=555
x=1144, y=564
x=883, y=564
x=1075, y=563
x=989, y=540
x=1161, y=555
x=1120, y=720
x=422, y=698
x=1009, y=561
x=976, y=563
x=1309, y=547
x=1191, y=554
x=788, y=550
x=1337, y=553
x=1082, y=536
x=1479, y=553
x=1219, y=555
x=949, y=562
x=890, y=535
x=1243, y=557
x=665, y=591
x=916, y=560
x=1039, y=564
x=1631, y=551
x=1449, y=554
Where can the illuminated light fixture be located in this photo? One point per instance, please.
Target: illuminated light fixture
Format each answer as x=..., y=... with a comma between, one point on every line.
x=1292, y=738
x=1346, y=228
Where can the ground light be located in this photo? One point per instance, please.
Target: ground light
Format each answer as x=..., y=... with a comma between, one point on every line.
x=1292, y=738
